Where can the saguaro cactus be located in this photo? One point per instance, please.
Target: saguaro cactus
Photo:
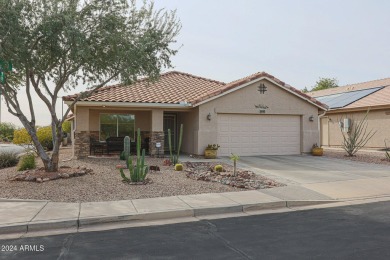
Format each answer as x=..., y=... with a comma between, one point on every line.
x=175, y=158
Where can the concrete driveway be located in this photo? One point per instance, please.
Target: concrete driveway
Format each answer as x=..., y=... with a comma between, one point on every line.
x=335, y=178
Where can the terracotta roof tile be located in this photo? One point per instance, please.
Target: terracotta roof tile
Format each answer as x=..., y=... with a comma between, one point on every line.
x=172, y=87
x=258, y=75
x=175, y=87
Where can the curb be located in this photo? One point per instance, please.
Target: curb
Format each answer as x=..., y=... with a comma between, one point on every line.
x=21, y=200
x=77, y=223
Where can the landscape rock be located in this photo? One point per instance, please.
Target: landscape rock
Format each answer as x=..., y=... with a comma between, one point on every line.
x=39, y=175
x=30, y=178
x=243, y=179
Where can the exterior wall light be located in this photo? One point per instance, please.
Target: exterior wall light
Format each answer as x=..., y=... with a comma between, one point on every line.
x=311, y=118
x=209, y=117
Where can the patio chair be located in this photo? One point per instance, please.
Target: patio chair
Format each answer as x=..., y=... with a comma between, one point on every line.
x=96, y=147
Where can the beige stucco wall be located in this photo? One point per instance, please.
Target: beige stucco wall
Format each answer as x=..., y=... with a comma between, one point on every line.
x=190, y=121
x=243, y=101
x=82, y=122
x=377, y=121
x=156, y=120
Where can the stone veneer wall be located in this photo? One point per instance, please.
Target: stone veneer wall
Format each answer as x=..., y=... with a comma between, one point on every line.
x=82, y=141
x=156, y=137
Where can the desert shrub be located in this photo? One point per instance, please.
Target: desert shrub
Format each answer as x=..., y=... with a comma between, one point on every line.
x=21, y=136
x=387, y=149
x=218, y=168
x=356, y=136
x=7, y=131
x=44, y=135
x=27, y=162
x=178, y=167
x=66, y=127
x=8, y=159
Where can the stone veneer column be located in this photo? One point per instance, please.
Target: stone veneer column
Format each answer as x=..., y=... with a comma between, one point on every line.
x=156, y=137
x=81, y=144
x=157, y=131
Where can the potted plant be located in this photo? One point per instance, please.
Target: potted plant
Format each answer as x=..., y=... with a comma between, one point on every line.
x=317, y=151
x=211, y=151
x=64, y=139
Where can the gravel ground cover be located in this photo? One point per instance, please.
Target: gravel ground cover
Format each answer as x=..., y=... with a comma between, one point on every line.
x=377, y=157
x=105, y=184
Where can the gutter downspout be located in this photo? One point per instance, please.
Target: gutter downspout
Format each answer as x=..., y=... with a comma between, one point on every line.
x=319, y=126
x=73, y=134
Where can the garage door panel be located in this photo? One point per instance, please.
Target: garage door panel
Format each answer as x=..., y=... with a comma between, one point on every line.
x=258, y=134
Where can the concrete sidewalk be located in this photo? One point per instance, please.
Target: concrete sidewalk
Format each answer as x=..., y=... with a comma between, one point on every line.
x=310, y=181
x=27, y=216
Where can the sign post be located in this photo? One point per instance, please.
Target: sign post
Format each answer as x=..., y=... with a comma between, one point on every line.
x=5, y=66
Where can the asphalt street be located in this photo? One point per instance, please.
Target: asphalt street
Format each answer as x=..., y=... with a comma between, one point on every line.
x=352, y=232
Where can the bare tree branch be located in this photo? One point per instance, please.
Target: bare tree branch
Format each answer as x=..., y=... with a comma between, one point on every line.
x=86, y=94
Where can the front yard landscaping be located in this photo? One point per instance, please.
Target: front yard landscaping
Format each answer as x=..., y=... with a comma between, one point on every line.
x=105, y=184
x=377, y=157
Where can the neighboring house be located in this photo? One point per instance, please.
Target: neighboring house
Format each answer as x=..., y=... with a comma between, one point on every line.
x=353, y=101
x=255, y=115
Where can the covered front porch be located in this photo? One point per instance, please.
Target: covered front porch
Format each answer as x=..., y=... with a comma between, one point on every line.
x=100, y=130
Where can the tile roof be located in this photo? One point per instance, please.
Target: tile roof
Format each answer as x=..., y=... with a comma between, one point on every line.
x=377, y=98
x=175, y=87
x=258, y=75
x=351, y=87
x=172, y=88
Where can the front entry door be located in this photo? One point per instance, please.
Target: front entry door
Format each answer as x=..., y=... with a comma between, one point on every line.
x=169, y=123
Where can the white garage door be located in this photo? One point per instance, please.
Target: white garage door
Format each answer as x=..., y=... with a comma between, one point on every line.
x=246, y=135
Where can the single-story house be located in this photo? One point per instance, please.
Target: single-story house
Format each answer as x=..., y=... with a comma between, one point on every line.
x=255, y=115
x=351, y=102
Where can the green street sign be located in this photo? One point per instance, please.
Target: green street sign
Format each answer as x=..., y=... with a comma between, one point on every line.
x=5, y=66
x=2, y=78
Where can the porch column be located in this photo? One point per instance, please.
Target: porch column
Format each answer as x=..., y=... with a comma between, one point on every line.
x=157, y=131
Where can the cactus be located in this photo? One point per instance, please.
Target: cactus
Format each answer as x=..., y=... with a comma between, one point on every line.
x=175, y=158
x=180, y=140
x=170, y=144
x=178, y=167
x=218, y=168
x=122, y=156
x=126, y=146
x=234, y=158
x=137, y=172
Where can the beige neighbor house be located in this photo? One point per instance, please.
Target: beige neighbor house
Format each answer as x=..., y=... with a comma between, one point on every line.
x=255, y=115
x=352, y=102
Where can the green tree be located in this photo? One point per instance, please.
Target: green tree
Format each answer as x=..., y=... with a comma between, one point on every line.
x=58, y=45
x=325, y=83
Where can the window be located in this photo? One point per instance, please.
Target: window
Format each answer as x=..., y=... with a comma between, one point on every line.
x=116, y=125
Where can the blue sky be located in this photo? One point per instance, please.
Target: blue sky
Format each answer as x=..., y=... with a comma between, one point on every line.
x=296, y=41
